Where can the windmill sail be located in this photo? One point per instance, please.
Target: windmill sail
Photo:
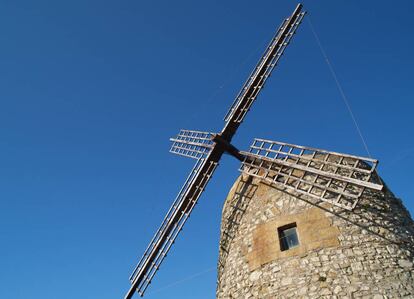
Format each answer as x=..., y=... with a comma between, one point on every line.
x=172, y=224
x=193, y=144
x=336, y=178
x=256, y=80
x=207, y=149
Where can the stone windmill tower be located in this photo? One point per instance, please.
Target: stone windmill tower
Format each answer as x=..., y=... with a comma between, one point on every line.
x=276, y=244
x=299, y=221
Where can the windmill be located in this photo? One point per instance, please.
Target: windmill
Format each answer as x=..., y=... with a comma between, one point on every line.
x=336, y=178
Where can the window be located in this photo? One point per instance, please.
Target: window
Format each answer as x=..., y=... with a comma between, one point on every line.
x=288, y=236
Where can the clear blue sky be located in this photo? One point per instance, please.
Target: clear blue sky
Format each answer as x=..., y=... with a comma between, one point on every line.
x=90, y=92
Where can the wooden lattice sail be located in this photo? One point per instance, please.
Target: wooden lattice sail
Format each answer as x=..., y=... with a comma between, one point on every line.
x=207, y=149
x=339, y=179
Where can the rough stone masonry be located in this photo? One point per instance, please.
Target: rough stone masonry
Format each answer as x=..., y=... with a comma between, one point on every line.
x=364, y=253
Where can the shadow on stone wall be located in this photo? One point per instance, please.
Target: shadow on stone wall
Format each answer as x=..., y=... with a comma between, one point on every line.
x=378, y=213
x=239, y=202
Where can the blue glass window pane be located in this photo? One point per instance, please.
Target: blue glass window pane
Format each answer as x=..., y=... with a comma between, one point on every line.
x=288, y=238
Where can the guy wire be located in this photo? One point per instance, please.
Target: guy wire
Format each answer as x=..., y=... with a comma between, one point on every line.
x=339, y=86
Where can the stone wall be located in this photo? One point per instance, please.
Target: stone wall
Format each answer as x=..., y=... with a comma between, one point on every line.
x=366, y=253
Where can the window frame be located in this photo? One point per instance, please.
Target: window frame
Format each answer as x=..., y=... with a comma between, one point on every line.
x=284, y=246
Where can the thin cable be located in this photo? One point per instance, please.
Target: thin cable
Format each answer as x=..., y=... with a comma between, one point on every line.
x=183, y=280
x=341, y=91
